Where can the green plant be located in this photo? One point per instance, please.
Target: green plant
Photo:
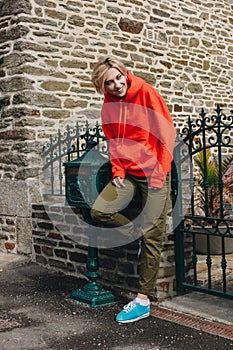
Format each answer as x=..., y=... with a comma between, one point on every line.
x=207, y=191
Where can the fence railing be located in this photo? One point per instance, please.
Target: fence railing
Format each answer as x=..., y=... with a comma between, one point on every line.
x=67, y=146
x=205, y=146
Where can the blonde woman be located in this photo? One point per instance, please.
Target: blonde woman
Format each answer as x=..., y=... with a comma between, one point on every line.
x=141, y=135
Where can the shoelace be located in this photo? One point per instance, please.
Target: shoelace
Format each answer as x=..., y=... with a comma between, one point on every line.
x=129, y=306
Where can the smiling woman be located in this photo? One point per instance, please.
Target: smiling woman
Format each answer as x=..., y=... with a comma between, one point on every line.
x=102, y=67
x=115, y=83
x=141, y=135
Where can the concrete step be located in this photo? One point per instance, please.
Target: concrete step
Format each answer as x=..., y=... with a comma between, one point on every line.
x=8, y=260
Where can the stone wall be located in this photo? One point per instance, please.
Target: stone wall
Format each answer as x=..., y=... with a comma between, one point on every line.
x=48, y=49
x=60, y=242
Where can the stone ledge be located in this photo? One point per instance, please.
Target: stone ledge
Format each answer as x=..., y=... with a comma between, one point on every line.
x=12, y=260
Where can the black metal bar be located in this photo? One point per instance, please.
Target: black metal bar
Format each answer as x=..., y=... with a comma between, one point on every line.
x=224, y=266
x=194, y=260
x=60, y=176
x=178, y=222
x=219, y=144
x=209, y=262
x=51, y=165
x=207, y=291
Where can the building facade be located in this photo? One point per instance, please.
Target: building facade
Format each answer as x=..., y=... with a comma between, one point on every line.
x=47, y=51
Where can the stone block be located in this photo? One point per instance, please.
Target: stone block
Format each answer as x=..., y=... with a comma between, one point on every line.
x=13, y=33
x=14, y=198
x=15, y=84
x=9, y=246
x=130, y=26
x=14, y=7
x=77, y=21
x=24, y=235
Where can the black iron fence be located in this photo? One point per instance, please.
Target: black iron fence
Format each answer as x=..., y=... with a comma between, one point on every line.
x=203, y=221
x=66, y=146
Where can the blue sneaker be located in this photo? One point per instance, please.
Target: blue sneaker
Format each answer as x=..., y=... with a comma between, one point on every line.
x=133, y=312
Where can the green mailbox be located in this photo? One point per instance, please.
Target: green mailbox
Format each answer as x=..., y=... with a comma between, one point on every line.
x=85, y=178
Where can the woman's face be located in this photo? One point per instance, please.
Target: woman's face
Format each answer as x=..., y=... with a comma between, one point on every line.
x=115, y=83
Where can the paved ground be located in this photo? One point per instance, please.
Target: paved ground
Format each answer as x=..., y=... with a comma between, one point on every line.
x=35, y=314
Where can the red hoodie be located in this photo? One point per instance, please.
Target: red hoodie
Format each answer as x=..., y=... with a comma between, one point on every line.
x=140, y=131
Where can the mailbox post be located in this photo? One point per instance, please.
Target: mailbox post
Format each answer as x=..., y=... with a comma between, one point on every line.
x=85, y=177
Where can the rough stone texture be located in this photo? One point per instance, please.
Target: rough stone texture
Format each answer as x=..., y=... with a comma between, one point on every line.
x=47, y=52
x=14, y=7
x=23, y=235
x=15, y=214
x=17, y=192
x=130, y=26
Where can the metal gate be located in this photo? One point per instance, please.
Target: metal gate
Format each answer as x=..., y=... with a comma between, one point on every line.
x=202, y=189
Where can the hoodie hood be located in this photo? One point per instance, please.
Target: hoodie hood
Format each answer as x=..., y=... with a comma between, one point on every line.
x=134, y=86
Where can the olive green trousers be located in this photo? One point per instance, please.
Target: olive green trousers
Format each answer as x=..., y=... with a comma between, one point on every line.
x=108, y=211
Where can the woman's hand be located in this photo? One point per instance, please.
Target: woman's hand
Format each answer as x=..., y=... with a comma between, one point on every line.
x=118, y=182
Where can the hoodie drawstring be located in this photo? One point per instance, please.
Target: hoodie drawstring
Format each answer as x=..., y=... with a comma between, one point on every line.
x=122, y=120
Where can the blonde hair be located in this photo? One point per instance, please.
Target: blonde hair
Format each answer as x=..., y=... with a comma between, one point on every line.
x=101, y=68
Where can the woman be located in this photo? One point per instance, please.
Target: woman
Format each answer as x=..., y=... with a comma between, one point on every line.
x=141, y=134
